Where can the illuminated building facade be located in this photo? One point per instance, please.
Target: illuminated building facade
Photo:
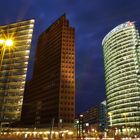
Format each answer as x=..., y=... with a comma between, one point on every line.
x=96, y=116
x=122, y=74
x=50, y=94
x=15, y=40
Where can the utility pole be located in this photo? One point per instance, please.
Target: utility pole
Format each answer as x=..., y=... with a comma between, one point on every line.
x=52, y=125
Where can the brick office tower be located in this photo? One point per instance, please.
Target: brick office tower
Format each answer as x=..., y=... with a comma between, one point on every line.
x=50, y=95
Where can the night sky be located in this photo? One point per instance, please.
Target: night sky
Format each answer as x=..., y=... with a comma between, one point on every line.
x=92, y=20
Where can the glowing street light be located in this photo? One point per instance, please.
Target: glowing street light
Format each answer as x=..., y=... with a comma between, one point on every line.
x=9, y=42
x=125, y=118
x=1, y=41
x=5, y=44
x=110, y=117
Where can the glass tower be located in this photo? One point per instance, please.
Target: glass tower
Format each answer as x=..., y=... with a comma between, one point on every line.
x=15, y=40
x=122, y=73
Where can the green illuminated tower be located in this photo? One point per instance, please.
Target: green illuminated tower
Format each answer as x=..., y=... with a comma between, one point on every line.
x=122, y=74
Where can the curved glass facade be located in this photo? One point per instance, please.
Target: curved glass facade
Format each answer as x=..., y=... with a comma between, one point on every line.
x=13, y=67
x=122, y=74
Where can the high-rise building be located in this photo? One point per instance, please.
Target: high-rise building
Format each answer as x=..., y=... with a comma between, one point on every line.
x=15, y=40
x=122, y=75
x=50, y=94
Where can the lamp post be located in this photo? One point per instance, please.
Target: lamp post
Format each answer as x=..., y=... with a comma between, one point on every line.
x=125, y=117
x=5, y=44
x=51, y=129
x=77, y=126
x=81, y=126
x=110, y=118
x=87, y=128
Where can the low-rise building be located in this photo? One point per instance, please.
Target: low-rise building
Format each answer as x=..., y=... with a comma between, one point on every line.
x=96, y=117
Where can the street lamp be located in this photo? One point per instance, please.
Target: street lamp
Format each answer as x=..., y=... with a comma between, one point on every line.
x=80, y=126
x=1, y=41
x=9, y=42
x=125, y=117
x=77, y=126
x=110, y=118
x=5, y=44
x=87, y=127
x=81, y=123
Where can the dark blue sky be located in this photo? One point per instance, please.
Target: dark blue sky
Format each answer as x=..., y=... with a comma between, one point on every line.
x=92, y=19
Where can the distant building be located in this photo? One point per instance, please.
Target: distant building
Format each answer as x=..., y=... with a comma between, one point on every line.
x=50, y=95
x=122, y=74
x=15, y=40
x=96, y=117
